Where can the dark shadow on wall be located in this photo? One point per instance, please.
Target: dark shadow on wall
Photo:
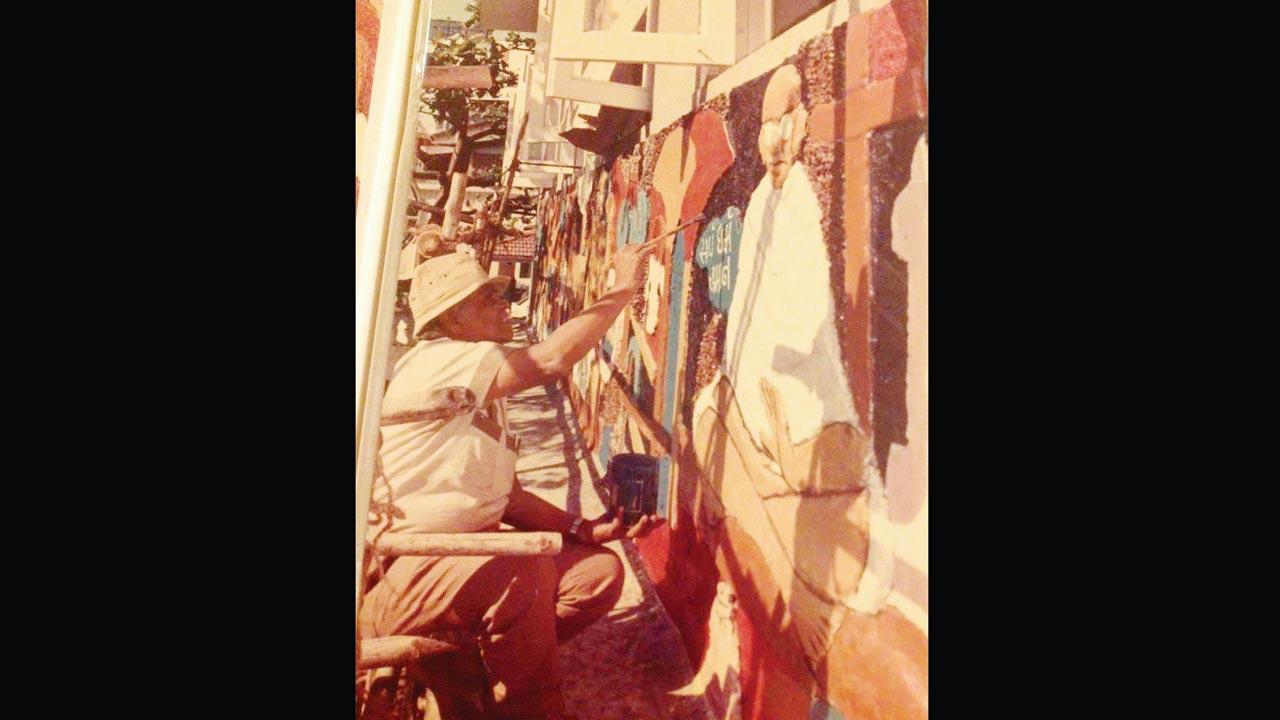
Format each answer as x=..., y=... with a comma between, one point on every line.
x=890, y=150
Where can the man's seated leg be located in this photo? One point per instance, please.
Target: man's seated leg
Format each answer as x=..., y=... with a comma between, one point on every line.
x=589, y=586
x=507, y=602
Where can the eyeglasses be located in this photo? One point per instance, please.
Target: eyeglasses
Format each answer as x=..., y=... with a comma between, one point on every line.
x=772, y=130
x=493, y=296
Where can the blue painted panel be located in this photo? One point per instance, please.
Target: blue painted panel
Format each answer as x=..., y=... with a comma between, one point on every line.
x=717, y=253
x=676, y=295
x=633, y=221
x=664, y=482
x=603, y=451
x=637, y=367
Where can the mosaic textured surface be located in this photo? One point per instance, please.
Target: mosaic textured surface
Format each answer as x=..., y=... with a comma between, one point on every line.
x=774, y=468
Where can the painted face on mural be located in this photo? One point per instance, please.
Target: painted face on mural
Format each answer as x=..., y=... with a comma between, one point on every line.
x=782, y=123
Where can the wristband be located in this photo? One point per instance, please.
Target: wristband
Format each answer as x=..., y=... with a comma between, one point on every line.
x=573, y=528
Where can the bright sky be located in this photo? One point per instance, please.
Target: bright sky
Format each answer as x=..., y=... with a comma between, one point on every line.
x=448, y=9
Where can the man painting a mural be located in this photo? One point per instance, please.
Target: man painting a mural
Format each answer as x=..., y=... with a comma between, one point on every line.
x=776, y=433
x=774, y=368
x=455, y=474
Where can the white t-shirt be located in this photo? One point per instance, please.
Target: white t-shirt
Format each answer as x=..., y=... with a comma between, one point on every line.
x=449, y=475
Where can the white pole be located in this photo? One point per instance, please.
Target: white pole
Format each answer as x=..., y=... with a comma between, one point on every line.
x=380, y=220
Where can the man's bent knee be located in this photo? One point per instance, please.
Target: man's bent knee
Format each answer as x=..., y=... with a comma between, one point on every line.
x=528, y=589
x=590, y=585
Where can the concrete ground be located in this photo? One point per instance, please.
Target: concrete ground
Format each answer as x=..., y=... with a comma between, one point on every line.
x=624, y=666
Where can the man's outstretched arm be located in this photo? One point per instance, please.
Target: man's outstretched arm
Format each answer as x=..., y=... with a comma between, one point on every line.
x=554, y=357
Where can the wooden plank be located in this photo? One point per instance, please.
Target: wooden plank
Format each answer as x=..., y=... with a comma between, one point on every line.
x=458, y=77
x=601, y=92
x=496, y=543
x=713, y=44
x=399, y=650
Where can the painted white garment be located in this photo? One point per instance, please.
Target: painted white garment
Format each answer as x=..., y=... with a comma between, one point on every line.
x=446, y=475
x=653, y=294
x=718, y=680
x=781, y=325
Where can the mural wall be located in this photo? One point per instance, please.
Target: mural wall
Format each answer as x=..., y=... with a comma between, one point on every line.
x=774, y=361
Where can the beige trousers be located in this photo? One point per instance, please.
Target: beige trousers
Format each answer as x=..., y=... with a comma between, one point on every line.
x=518, y=607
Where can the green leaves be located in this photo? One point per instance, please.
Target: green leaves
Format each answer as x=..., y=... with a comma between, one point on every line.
x=472, y=48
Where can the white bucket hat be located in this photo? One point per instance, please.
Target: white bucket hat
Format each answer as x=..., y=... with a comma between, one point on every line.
x=444, y=281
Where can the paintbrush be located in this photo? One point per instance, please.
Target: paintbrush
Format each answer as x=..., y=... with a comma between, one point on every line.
x=671, y=233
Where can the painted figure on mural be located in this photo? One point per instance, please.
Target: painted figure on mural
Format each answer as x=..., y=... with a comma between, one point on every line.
x=782, y=353
x=776, y=433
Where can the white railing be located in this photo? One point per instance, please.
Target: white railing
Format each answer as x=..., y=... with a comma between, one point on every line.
x=380, y=219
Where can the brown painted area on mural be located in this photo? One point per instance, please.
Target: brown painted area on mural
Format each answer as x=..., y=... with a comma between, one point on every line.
x=857, y=38
x=709, y=351
x=891, y=149
x=648, y=155
x=826, y=175
x=878, y=668
x=855, y=301
x=868, y=107
x=898, y=35
x=819, y=66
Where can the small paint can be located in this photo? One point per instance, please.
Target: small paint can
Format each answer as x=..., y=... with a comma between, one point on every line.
x=635, y=477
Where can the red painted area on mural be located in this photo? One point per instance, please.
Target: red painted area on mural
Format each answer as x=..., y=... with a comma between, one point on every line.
x=775, y=681
x=711, y=155
x=686, y=564
x=767, y=691
x=655, y=548
x=708, y=134
x=897, y=38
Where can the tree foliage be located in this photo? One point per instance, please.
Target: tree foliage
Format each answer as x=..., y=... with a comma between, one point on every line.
x=459, y=108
